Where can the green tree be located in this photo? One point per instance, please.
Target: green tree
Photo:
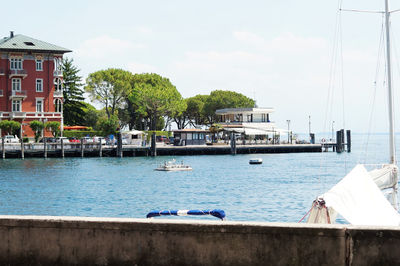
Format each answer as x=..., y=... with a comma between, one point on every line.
x=53, y=127
x=37, y=127
x=108, y=126
x=73, y=94
x=195, y=109
x=10, y=127
x=220, y=99
x=91, y=115
x=110, y=88
x=154, y=97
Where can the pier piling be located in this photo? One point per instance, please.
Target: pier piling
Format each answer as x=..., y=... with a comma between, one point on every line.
x=62, y=148
x=233, y=143
x=153, y=145
x=119, y=145
x=22, y=149
x=100, y=148
x=82, y=148
x=45, y=147
x=343, y=139
x=339, y=141
x=348, y=135
x=2, y=147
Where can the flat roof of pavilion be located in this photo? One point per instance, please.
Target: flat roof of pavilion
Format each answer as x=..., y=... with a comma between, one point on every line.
x=226, y=111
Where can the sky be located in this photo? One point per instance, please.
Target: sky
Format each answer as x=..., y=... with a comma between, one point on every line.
x=281, y=53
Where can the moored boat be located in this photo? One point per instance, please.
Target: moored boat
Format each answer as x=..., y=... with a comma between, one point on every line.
x=256, y=161
x=172, y=166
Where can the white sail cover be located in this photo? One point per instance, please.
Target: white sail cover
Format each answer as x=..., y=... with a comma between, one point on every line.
x=384, y=177
x=358, y=199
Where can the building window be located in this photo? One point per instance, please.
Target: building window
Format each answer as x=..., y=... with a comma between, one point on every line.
x=57, y=64
x=16, y=105
x=16, y=84
x=39, y=85
x=58, y=106
x=39, y=65
x=58, y=84
x=16, y=63
x=39, y=105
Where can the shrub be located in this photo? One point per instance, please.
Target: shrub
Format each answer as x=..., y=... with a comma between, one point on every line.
x=10, y=127
x=54, y=127
x=37, y=127
x=80, y=134
x=108, y=126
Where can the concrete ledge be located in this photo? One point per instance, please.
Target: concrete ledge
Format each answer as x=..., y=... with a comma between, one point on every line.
x=50, y=240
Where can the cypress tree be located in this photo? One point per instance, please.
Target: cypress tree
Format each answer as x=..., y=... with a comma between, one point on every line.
x=73, y=94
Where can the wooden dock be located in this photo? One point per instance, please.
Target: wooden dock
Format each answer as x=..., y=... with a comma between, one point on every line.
x=95, y=150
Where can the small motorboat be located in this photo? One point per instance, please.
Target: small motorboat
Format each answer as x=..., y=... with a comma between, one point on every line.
x=256, y=161
x=173, y=166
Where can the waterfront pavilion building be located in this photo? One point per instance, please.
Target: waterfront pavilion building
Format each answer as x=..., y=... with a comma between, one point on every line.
x=249, y=122
x=30, y=81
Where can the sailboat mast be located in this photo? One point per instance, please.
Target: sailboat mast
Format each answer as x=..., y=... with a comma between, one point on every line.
x=389, y=82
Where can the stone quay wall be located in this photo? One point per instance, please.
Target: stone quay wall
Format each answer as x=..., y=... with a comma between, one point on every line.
x=52, y=240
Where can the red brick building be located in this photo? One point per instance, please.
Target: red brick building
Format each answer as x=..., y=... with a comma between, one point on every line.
x=30, y=81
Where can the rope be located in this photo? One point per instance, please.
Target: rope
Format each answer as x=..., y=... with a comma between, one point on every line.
x=380, y=50
x=327, y=214
x=312, y=206
x=330, y=95
x=363, y=11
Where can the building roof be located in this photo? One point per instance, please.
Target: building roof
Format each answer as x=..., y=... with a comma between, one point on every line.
x=244, y=110
x=19, y=43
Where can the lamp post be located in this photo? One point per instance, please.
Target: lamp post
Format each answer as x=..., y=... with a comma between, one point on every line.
x=333, y=130
x=288, y=130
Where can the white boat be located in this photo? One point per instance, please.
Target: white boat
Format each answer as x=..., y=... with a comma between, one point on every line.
x=256, y=161
x=173, y=166
x=366, y=197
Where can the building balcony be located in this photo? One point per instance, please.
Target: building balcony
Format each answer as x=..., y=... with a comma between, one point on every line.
x=58, y=93
x=18, y=95
x=17, y=115
x=18, y=73
x=58, y=74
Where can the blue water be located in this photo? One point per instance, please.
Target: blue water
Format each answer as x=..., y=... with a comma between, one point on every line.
x=281, y=189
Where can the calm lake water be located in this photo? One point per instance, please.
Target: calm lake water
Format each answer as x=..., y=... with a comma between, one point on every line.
x=281, y=189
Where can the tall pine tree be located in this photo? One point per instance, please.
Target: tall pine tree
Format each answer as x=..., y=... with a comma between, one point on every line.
x=73, y=94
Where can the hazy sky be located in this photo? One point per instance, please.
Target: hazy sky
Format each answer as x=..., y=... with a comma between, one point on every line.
x=279, y=52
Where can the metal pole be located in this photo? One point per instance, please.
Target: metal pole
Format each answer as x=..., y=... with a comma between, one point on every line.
x=288, y=130
x=390, y=99
x=389, y=82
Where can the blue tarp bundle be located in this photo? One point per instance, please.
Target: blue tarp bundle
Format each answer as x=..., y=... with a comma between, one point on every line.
x=217, y=213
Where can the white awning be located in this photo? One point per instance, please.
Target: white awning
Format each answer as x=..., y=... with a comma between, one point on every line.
x=133, y=132
x=253, y=131
x=358, y=199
